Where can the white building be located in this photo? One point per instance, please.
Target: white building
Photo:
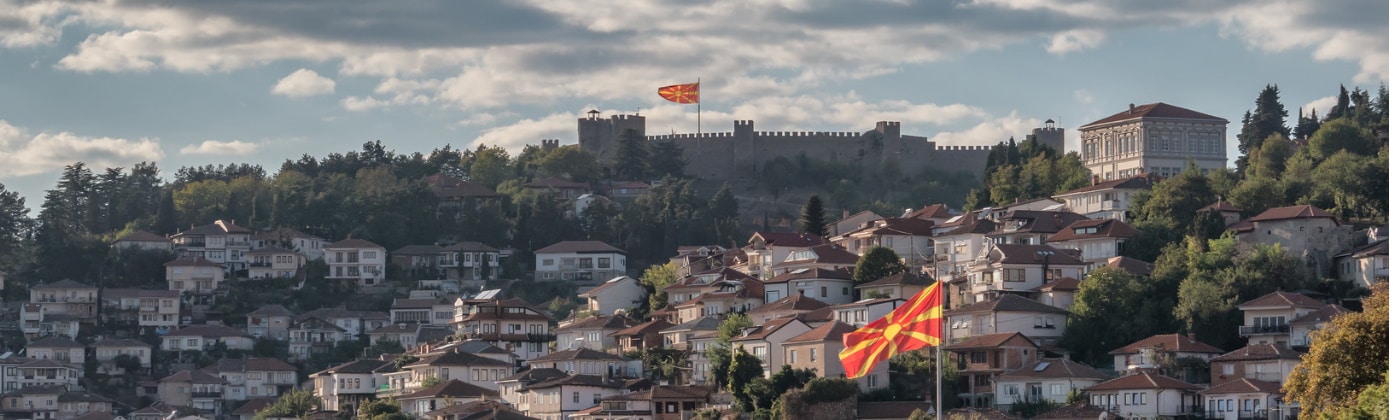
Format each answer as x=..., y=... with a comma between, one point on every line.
x=1145, y=394
x=273, y=262
x=1155, y=138
x=222, y=242
x=828, y=286
x=1097, y=240
x=1107, y=199
x=356, y=260
x=304, y=244
x=1047, y=380
x=1366, y=265
x=205, y=337
x=343, y=387
x=586, y=263
x=621, y=292
x=766, y=341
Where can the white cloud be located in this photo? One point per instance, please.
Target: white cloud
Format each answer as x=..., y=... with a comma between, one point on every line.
x=304, y=82
x=515, y=136
x=27, y=154
x=1322, y=105
x=1074, y=41
x=990, y=131
x=1083, y=96
x=220, y=148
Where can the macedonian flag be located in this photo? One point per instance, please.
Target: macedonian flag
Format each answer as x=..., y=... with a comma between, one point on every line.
x=914, y=325
x=688, y=93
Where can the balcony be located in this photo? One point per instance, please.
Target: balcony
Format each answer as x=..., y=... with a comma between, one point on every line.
x=1247, y=331
x=260, y=264
x=1265, y=376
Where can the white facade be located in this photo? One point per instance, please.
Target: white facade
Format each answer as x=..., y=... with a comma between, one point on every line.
x=356, y=260
x=620, y=292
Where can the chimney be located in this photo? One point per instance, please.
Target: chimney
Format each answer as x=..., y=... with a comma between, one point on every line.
x=1130, y=107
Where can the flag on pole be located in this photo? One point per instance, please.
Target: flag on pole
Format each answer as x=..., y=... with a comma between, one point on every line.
x=688, y=93
x=914, y=325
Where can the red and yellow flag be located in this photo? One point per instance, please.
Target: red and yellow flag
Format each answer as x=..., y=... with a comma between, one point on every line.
x=688, y=93
x=916, y=324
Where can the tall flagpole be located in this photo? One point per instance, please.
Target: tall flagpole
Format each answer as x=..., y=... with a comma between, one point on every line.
x=697, y=105
x=938, y=353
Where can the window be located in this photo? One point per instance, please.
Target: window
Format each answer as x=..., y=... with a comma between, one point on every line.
x=812, y=353
x=1057, y=389
x=979, y=357
x=823, y=291
x=1012, y=390
x=547, y=262
x=872, y=381
x=585, y=263
x=792, y=356
x=845, y=291
x=369, y=255
x=1014, y=274
x=604, y=262
x=575, y=396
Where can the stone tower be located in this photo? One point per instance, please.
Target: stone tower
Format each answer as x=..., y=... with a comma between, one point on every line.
x=1050, y=135
x=598, y=135
x=745, y=164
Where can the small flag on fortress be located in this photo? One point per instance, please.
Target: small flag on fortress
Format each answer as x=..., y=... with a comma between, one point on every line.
x=688, y=93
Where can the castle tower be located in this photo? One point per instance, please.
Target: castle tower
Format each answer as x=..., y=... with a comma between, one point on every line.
x=889, y=149
x=548, y=145
x=598, y=135
x=1050, y=135
x=745, y=164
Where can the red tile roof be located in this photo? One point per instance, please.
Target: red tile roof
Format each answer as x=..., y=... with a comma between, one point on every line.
x=1222, y=207
x=1039, y=221
x=939, y=211
x=142, y=236
x=830, y=331
x=1306, y=211
x=646, y=328
x=1169, y=342
x=1008, y=303
x=901, y=279
x=1245, y=386
x=608, y=285
x=1054, y=369
x=1139, y=182
x=1142, y=380
x=219, y=227
x=989, y=341
x=351, y=243
x=1062, y=284
x=1281, y=300
x=581, y=247
x=808, y=274
x=1132, y=266
x=453, y=388
x=1028, y=254
x=607, y=322
x=1100, y=228
x=768, y=328
x=798, y=302
x=1259, y=352
x=1156, y=110
x=1321, y=315
x=576, y=354
x=790, y=240
x=825, y=254
x=192, y=261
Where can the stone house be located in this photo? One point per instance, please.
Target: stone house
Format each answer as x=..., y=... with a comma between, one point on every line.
x=1366, y=265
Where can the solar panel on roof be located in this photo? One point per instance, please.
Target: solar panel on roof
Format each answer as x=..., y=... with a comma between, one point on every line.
x=1041, y=367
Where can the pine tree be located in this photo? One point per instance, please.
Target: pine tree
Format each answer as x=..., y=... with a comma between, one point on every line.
x=814, y=217
x=1267, y=118
x=1343, y=106
x=631, y=157
x=1307, y=125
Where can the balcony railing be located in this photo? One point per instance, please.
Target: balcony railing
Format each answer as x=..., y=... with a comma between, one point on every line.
x=259, y=264
x=1246, y=331
x=1265, y=376
x=207, y=394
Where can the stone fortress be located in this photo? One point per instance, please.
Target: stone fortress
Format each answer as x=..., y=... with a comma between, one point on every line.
x=742, y=153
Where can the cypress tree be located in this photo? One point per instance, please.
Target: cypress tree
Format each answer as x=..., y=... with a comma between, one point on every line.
x=814, y=217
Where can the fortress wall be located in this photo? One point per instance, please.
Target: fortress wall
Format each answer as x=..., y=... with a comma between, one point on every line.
x=971, y=159
x=707, y=155
x=820, y=146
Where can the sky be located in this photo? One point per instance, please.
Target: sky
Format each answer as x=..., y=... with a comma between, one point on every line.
x=195, y=82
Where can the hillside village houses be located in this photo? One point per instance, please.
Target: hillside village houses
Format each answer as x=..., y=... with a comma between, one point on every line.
x=356, y=261
x=586, y=263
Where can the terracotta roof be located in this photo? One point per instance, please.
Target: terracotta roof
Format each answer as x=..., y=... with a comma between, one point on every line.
x=1062, y=284
x=607, y=322
x=798, y=302
x=458, y=358
x=830, y=331
x=207, y=331
x=576, y=354
x=1141, y=380
x=582, y=247
x=1027, y=254
x=95, y=415
x=821, y=314
x=579, y=380
x=452, y=388
x=142, y=236
x=253, y=406
x=351, y=243
x=536, y=375
x=445, y=186
x=478, y=410
x=1321, y=315
x=987, y=341
x=469, y=247
x=1139, y=182
x=707, y=323
x=356, y=366
x=192, y=261
x=254, y=364
x=1259, y=352
x=1078, y=411
x=824, y=254
x=1156, y=110
x=1245, y=386
x=1039, y=221
x=790, y=240
x=1169, y=342
x=899, y=227
x=608, y=285
x=121, y=342
x=63, y=284
x=939, y=210
x=194, y=377
x=1100, y=228
x=44, y=363
x=272, y=310
x=1008, y=303
x=417, y=250
x=763, y=331
x=889, y=409
x=866, y=302
x=219, y=227
x=650, y=327
x=1054, y=369
x=900, y=279
x=56, y=342
x=809, y=273
x=1283, y=300
x=1133, y=266
x=421, y=303
x=1381, y=247
x=1220, y=206
x=1305, y=211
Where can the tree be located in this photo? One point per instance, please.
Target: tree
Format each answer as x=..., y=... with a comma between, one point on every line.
x=814, y=217
x=733, y=325
x=630, y=160
x=491, y=166
x=743, y=369
x=1094, y=327
x=654, y=279
x=667, y=159
x=1270, y=158
x=1344, y=359
x=877, y=263
x=14, y=221
x=1307, y=124
x=1266, y=120
x=1341, y=134
x=1343, y=106
x=1173, y=201
x=381, y=409
x=294, y=403
x=570, y=162
x=724, y=214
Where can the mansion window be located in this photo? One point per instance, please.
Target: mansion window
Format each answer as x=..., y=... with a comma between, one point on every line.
x=1014, y=274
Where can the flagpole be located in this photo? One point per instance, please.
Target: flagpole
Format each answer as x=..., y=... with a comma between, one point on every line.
x=938, y=353
x=697, y=105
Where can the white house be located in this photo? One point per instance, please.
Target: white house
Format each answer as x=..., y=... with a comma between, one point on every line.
x=958, y=243
x=309, y=246
x=1047, y=380
x=1366, y=265
x=1097, y=240
x=765, y=341
x=1267, y=318
x=419, y=403
x=204, y=337
x=355, y=260
x=255, y=377
x=591, y=333
x=1107, y=199
x=557, y=399
x=194, y=274
x=343, y=387
x=828, y=286
x=1031, y=227
x=766, y=249
x=586, y=263
x=1245, y=398
x=107, y=351
x=1145, y=394
x=1041, y=323
x=1301, y=328
x=273, y=262
x=1146, y=352
x=222, y=242
x=1009, y=268
x=56, y=348
x=143, y=240
x=908, y=238
x=865, y=311
x=620, y=292
x=1260, y=362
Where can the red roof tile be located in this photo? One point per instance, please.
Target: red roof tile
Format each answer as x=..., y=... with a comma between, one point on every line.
x=453, y=388
x=933, y=211
x=1062, y=284
x=1156, y=110
x=1169, y=342
x=1055, y=369
x=1321, y=315
x=790, y=240
x=768, y=328
x=1132, y=266
x=808, y=274
x=650, y=327
x=989, y=341
x=1282, y=300
x=1008, y=303
x=582, y=247
x=1259, y=352
x=798, y=302
x=1245, y=386
x=351, y=243
x=1306, y=211
x=1094, y=228
x=1141, y=380
x=830, y=331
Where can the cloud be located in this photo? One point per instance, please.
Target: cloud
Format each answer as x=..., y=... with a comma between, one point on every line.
x=526, y=131
x=1075, y=40
x=220, y=148
x=304, y=82
x=1323, y=105
x=990, y=131
x=28, y=154
x=1083, y=96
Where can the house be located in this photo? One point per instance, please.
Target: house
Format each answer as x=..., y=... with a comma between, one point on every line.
x=620, y=292
x=141, y=239
x=696, y=284
x=865, y=311
x=511, y=324
x=1267, y=318
x=222, y=243
x=937, y=213
x=789, y=306
x=309, y=246
x=58, y=349
x=1261, y=362
x=274, y=262
x=558, y=398
x=1230, y=213
x=472, y=261
x=1149, y=352
x=512, y=387
x=476, y=410
x=442, y=395
x=661, y=402
x=82, y=405
x=641, y=336
x=691, y=259
x=355, y=260
x=820, y=348
x=1081, y=410
x=1027, y=227
x=1366, y=265
x=66, y=297
x=765, y=341
x=583, y=361
x=343, y=387
x=319, y=330
x=406, y=334
x=419, y=261
x=1130, y=265
x=983, y=357
x=192, y=388
x=108, y=350
x=249, y=410
x=1014, y=269
x=194, y=275
x=1304, y=230
x=586, y=263
x=1059, y=293
x=448, y=365
x=21, y=372
x=1145, y=394
x=957, y=243
x=1156, y=138
x=1041, y=323
x=850, y=222
x=1301, y=328
x=731, y=296
x=559, y=187
x=1107, y=199
x=254, y=377
x=204, y=337
x=455, y=194
x=141, y=309
x=1097, y=240
x=432, y=311
x=898, y=286
x=627, y=189
x=681, y=337
x=1047, y=380
x=52, y=402
x=766, y=249
x=909, y=238
x=271, y=321
x=833, y=287
x=1245, y=398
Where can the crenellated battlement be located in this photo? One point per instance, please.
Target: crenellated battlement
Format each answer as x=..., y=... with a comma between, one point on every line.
x=680, y=136
x=955, y=148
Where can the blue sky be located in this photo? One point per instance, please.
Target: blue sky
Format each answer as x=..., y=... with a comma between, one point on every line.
x=196, y=82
